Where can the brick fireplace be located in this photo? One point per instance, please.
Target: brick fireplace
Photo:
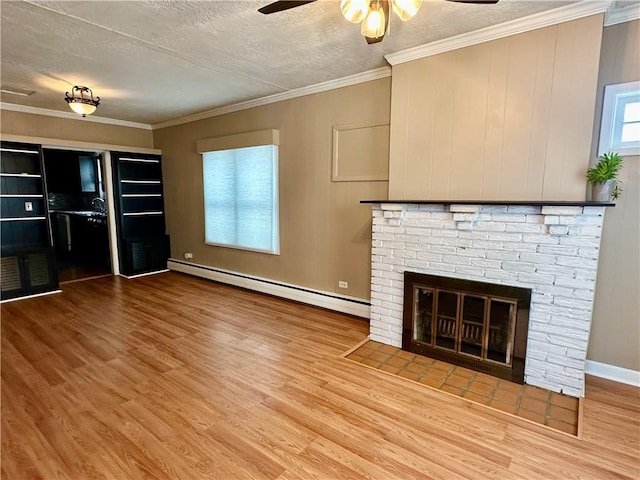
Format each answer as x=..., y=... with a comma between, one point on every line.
x=549, y=247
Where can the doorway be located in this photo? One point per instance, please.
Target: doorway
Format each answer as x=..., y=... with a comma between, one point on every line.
x=76, y=194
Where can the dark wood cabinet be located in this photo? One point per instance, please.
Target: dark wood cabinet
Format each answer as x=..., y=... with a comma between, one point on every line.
x=143, y=242
x=27, y=261
x=27, y=272
x=71, y=172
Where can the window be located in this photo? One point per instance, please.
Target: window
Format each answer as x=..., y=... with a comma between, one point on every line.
x=241, y=197
x=620, y=129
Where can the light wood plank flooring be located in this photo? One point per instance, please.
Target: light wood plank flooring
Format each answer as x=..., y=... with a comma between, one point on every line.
x=173, y=377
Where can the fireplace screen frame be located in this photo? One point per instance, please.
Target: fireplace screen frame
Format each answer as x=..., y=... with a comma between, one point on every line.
x=519, y=298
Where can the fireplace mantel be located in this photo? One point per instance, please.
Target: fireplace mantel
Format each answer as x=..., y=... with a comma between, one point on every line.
x=534, y=203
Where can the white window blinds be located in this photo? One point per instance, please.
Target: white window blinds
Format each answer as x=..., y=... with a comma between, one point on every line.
x=241, y=198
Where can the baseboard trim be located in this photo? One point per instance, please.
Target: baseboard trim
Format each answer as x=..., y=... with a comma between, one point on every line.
x=612, y=372
x=30, y=296
x=318, y=298
x=131, y=277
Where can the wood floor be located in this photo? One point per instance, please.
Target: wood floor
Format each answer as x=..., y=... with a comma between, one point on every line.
x=173, y=377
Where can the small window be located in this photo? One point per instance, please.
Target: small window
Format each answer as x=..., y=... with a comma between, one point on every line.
x=241, y=198
x=620, y=129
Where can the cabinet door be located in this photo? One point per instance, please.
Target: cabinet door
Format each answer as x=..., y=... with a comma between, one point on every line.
x=27, y=273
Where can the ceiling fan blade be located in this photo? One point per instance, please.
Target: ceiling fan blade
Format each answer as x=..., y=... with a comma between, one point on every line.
x=475, y=1
x=282, y=5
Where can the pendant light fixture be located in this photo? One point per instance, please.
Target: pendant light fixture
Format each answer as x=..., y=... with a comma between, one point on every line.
x=374, y=15
x=81, y=100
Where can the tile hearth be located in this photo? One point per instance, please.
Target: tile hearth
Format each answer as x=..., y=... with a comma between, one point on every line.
x=554, y=410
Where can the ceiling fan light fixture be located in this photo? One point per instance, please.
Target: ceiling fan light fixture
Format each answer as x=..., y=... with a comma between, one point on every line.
x=354, y=10
x=374, y=24
x=81, y=100
x=406, y=9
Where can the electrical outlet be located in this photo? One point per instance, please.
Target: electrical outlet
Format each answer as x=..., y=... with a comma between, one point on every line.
x=343, y=284
x=188, y=256
x=28, y=206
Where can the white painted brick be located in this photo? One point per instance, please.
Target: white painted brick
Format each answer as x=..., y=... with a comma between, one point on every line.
x=383, y=236
x=551, y=219
x=518, y=267
x=508, y=218
x=568, y=383
x=575, y=283
x=445, y=233
x=393, y=261
x=392, y=229
x=441, y=215
x=591, y=253
x=450, y=225
x=590, y=231
x=540, y=239
x=432, y=257
x=539, y=219
x=376, y=288
x=392, y=206
x=405, y=254
x=525, y=228
x=560, y=210
x=593, y=211
x=385, y=282
x=390, y=244
x=503, y=255
x=436, y=207
x=573, y=392
x=485, y=263
x=464, y=208
x=392, y=306
x=572, y=261
x=494, y=208
x=388, y=214
x=536, y=354
x=443, y=267
x=419, y=231
x=588, y=221
x=586, y=273
x=377, y=213
x=384, y=252
x=571, y=323
x=486, y=245
x=471, y=235
x=557, y=250
x=526, y=209
x=393, y=276
x=537, y=258
x=520, y=247
x=466, y=226
x=456, y=260
x=500, y=274
x=395, y=221
x=536, y=278
x=575, y=365
x=479, y=272
x=467, y=217
x=470, y=252
x=577, y=353
x=558, y=230
x=379, y=266
x=544, y=384
x=459, y=242
x=430, y=223
x=556, y=270
x=442, y=249
x=566, y=341
x=580, y=241
x=573, y=303
x=380, y=297
x=490, y=226
x=417, y=264
x=504, y=237
x=546, y=348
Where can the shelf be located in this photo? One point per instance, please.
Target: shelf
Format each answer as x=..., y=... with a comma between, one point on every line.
x=533, y=203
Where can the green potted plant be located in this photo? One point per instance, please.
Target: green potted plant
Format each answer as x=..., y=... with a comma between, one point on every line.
x=604, y=178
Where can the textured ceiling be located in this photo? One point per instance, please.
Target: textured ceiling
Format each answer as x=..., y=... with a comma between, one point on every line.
x=158, y=60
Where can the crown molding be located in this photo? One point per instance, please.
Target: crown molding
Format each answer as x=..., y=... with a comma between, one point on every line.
x=367, y=76
x=621, y=12
x=71, y=116
x=566, y=13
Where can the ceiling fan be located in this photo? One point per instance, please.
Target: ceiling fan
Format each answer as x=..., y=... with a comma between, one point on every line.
x=374, y=14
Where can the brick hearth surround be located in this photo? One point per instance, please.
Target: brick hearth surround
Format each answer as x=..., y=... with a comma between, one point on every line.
x=553, y=250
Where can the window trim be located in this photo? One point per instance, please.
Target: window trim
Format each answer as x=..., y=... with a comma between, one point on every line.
x=613, y=96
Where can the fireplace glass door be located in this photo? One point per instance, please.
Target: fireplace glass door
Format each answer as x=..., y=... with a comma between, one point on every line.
x=476, y=326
